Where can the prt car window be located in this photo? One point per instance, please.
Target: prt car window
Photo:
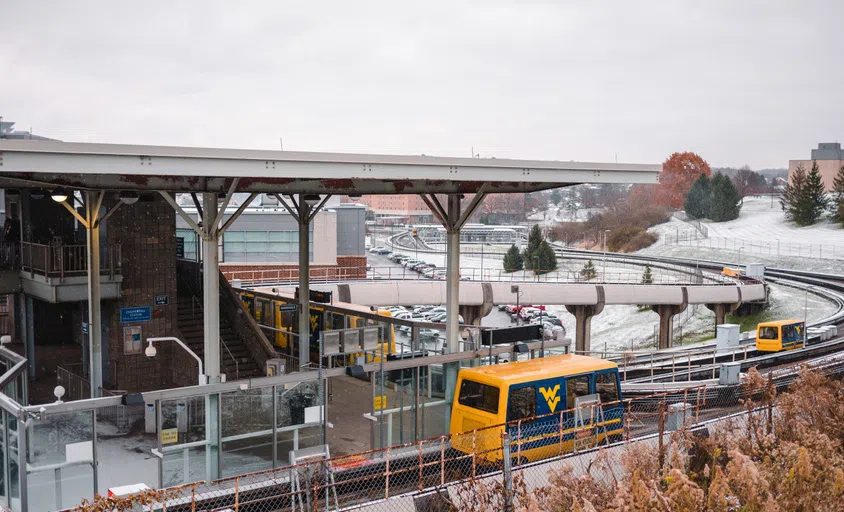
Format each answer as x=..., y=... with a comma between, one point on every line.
x=768, y=333
x=479, y=396
x=606, y=386
x=575, y=387
x=522, y=403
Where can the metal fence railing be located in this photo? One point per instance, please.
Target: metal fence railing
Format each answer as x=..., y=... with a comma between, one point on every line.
x=597, y=275
x=67, y=260
x=772, y=248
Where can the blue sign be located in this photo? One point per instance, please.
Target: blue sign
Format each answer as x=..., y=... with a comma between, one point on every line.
x=288, y=307
x=84, y=327
x=139, y=314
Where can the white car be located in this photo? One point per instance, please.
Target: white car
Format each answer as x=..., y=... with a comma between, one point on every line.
x=377, y=248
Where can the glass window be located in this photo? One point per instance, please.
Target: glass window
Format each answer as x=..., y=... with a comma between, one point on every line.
x=479, y=396
x=233, y=236
x=768, y=333
x=575, y=387
x=256, y=236
x=606, y=385
x=522, y=403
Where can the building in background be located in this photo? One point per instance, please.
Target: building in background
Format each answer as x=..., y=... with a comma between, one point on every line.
x=395, y=209
x=830, y=158
x=266, y=238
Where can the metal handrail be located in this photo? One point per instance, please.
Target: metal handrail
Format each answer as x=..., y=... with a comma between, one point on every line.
x=236, y=366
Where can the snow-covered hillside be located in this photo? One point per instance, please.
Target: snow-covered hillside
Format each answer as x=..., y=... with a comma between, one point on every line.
x=761, y=234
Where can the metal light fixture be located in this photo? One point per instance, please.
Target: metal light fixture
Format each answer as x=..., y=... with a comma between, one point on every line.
x=128, y=197
x=311, y=199
x=355, y=197
x=150, y=351
x=37, y=193
x=59, y=195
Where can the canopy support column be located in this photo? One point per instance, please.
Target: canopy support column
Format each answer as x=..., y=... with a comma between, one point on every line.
x=453, y=220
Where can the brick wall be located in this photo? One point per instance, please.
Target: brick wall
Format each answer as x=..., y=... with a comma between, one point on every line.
x=347, y=267
x=146, y=231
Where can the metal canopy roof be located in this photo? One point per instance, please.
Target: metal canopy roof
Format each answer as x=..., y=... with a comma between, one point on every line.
x=25, y=163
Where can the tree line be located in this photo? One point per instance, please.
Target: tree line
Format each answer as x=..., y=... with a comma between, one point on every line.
x=805, y=201
x=537, y=256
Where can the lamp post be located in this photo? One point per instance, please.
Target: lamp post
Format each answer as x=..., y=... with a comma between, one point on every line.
x=150, y=352
x=604, y=278
x=739, y=254
x=806, y=315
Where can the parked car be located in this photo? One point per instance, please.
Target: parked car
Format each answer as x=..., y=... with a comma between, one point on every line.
x=407, y=263
x=404, y=329
x=422, y=309
x=502, y=307
x=385, y=252
x=397, y=255
x=528, y=313
x=428, y=272
x=377, y=248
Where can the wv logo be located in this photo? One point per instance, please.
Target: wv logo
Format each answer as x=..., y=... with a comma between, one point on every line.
x=314, y=322
x=550, y=395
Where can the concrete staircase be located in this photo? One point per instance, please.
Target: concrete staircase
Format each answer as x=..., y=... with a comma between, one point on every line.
x=235, y=359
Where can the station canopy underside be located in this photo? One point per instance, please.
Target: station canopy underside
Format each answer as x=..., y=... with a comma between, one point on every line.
x=89, y=166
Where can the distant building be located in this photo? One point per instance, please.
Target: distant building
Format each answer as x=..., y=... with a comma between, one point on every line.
x=830, y=158
x=397, y=208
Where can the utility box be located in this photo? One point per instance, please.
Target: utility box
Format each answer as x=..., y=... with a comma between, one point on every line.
x=679, y=414
x=727, y=336
x=275, y=366
x=729, y=374
x=755, y=271
x=237, y=284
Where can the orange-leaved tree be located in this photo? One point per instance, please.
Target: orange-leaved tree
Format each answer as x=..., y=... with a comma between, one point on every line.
x=678, y=174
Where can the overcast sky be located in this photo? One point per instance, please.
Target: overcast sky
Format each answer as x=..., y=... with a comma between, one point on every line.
x=740, y=82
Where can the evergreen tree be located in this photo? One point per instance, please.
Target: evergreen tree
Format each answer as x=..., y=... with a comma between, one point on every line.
x=546, y=259
x=513, y=259
x=816, y=200
x=837, y=207
x=647, y=275
x=556, y=197
x=697, y=202
x=588, y=271
x=534, y=241
x=725, y=203
x=804, y=200
x=792, y=195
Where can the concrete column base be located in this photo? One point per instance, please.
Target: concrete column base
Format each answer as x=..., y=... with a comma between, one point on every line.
x=583, y=321
x=666, y=314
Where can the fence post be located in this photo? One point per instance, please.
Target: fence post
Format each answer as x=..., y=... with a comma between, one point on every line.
x=508, y=473
x=661, y=427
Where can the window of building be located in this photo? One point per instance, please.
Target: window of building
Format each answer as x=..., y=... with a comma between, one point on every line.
x=263, y=246
x=190, y=240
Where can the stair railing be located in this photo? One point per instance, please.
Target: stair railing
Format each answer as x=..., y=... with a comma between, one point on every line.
x=236, y=366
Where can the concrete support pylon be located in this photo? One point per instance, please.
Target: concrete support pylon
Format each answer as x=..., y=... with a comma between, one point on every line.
x=666, y=314
x=721, y=310
x=583, y=321
x=472, y=315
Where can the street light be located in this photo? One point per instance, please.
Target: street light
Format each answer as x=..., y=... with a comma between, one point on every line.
x=311, y=199
x=739, y=254
x=151, y=352
x=59, y=195
x=128, y=197
x=604, y=278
